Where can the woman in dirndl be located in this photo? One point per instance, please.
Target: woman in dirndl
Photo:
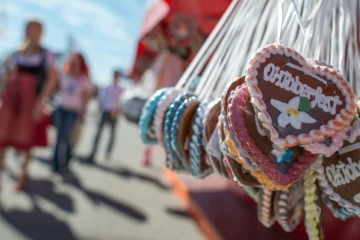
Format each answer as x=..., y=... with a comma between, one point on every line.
x=30, y=81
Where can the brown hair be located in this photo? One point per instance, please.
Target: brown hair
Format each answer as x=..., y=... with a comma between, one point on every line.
x=31, y=21
x=83, y=65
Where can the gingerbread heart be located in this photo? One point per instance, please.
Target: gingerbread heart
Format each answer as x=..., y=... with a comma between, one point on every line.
x=265, y=207
x=298, y=102
x=159, y=116
x=288, y=206
x=281, y=166
x=180, y=130
x=147, y=115
x=199, y=166
x=172, y=162
x=336, y=209
x=339, y=175
x=210, y=123
x=231, y=87
x=242, y=176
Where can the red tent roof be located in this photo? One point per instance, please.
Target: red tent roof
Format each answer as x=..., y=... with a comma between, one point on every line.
x=205, y=14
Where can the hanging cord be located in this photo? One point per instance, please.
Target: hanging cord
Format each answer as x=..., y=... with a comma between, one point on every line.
x=342, y=37
x=234, y=46
x=323, y=19
x=263, y=33
x=205, y=50
x=212, y=47
x=247, y=43
x=307, y=23
x=213, y=66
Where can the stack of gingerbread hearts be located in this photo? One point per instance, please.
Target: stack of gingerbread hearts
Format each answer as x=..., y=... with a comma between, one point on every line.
x=286, y=131
x=183, y=125
x=276, y=121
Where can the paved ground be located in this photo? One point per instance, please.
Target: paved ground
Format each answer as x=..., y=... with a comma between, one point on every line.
x=113, y=199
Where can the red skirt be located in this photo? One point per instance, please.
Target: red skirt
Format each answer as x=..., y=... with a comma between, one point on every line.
x=17, y=127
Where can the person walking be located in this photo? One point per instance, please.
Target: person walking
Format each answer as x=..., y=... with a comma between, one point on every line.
x=109, y=99
x=30, y=81
x=73, y=96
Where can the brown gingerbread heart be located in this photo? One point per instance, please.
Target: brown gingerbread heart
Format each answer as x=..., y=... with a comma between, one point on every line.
x=298, y=102
x=288, y=206
x=339, y=175
x=231, y=87
x=210, y=123
x=182, y=130
x=281, y=166
x=243, y=176
x=337, y=210
x=265, y=207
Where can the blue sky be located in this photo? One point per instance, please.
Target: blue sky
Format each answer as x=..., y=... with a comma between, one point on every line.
x=105, y=30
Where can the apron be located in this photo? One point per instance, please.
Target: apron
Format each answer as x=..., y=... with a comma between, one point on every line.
x=17, y=127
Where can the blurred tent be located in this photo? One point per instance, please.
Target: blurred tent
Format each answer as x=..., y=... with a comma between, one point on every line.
x=178, y=27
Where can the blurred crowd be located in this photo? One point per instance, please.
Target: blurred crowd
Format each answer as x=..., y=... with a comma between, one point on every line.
x=31, y=84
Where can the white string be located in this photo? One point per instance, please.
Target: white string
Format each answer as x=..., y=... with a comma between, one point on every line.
x=236, y=59
x=322, y=29
x=204, y=50
x=247, y=41
x=229, y=61
x=280, y=19
x=212, y=47
x=216, y=58
x=342, y=38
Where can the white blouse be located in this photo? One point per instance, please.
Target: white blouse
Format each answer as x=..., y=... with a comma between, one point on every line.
x=71, y=92
x=32, y=60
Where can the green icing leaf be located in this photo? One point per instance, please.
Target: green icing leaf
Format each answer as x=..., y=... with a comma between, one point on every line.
x=355, y=118
x=304, y=104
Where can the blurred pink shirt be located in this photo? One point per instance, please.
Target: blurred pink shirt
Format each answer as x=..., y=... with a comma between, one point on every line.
x=71, y=92
x=110, y=98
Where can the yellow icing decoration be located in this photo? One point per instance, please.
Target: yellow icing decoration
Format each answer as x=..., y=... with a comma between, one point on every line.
x=312, y=212
x=257, y=173
x=292, y=111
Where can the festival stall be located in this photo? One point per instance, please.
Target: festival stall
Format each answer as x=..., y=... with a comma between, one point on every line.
x=171, y=34
x=178, y=26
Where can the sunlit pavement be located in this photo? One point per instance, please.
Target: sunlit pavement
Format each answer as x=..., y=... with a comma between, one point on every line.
x=112, y=199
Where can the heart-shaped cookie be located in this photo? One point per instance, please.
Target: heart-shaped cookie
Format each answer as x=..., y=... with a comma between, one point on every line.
x=147, y=115
x=222, y=138
x=242, y=176
x=199, y=166
x=265, y=207
x=288, y=206
x=229, y=88
x=281, y=166
x=336, y=209
x=231, y=144
x=159, y=117
x=180, y=129
x=298, y=102
x=339, y=175
x=172, y=160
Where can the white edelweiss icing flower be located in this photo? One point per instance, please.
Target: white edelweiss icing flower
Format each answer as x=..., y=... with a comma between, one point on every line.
x=291, y=114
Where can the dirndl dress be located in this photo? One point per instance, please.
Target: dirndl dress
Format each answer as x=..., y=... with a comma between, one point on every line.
x=18, y=128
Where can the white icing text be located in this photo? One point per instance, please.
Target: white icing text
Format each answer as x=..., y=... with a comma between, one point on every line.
x=341, y=173
x=286, y=81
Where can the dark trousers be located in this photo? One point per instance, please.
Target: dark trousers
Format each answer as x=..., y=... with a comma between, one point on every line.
x=65, y=122
x=105, y=119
